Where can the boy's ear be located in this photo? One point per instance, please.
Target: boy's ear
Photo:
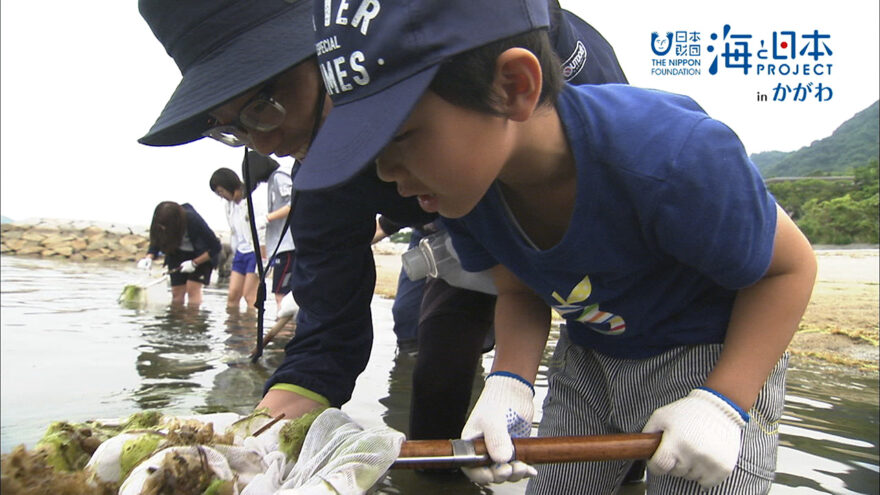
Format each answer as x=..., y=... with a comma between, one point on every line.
x=518, y=82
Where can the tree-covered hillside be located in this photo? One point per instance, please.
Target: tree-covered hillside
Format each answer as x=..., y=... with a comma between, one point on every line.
x=855, y=143
x=834, y=212
x=767, y=159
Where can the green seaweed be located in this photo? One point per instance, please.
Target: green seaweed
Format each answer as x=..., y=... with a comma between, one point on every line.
x=132, y=294
x=220, y=487
x=136, y=450
x=28, y=473
x=62, y=451
x=69, y=446
x=143, y=420
x=247, y=425
x=293, y=434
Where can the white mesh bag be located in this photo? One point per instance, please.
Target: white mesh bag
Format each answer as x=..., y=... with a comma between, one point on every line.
x=340, y=457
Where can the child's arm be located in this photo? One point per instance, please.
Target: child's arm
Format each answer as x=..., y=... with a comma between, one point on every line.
x=522, y=324
x=702, y=431
x=505, y=407
x=765, y=317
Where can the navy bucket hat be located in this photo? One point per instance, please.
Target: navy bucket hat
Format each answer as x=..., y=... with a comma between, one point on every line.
x=223, y=48
x=377, y=58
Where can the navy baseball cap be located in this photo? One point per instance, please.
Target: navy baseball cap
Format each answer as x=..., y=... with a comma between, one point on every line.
x=378, y=58
x=223, y=48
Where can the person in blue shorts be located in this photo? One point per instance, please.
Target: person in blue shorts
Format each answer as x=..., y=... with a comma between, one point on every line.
x=190, y=248
x=279, y=246
x=629, y=212
x=243, y=280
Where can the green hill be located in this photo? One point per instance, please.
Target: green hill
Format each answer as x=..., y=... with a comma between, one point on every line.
x=853, y=144
x=768, y=159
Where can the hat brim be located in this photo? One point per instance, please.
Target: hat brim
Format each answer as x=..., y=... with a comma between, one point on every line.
x=354, y=133
x=254, y=56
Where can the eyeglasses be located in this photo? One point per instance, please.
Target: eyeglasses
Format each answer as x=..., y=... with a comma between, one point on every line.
x=261, y=113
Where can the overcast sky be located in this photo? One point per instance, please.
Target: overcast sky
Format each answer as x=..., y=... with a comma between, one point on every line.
x=81, y=81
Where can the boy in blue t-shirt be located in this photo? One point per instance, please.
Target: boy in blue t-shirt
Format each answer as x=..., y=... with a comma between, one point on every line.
x=629, y=212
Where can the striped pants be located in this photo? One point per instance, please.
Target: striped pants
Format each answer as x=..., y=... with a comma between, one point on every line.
x=593, y=394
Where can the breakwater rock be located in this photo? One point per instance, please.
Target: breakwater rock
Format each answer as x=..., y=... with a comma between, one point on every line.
x=79, y=240
x=73, y=240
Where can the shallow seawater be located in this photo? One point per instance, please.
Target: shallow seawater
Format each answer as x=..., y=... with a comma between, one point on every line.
x=70, y=351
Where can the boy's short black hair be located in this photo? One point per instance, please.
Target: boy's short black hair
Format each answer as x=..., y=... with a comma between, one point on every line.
x=465, y=80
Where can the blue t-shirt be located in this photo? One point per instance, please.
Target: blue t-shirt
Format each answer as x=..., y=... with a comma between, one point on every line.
x=670, y=219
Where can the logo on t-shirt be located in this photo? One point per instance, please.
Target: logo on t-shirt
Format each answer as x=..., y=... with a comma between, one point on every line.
x=574, y=308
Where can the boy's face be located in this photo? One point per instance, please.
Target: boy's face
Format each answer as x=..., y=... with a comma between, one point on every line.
x=297, y=90
x=446, y=155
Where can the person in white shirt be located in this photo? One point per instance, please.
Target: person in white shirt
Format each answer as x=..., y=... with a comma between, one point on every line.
x=279, y=242
x=243, y=279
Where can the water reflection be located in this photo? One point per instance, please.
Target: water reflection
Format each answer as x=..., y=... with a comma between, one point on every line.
x=399, y=392
x=828, y=439
x=397, y=404
x=239, y=386
x=175, y=347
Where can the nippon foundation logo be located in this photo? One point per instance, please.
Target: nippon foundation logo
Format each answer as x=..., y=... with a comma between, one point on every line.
x=796, y=66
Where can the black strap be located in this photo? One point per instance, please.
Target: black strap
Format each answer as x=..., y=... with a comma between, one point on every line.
x=261, y=288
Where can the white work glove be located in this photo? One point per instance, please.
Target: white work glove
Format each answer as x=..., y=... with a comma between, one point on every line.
x=504, y=410
x=145, y=263
x=701, y=437
x=187, y=266
x=288, y=306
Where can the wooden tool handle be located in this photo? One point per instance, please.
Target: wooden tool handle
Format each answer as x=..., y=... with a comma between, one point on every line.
x=537, y=450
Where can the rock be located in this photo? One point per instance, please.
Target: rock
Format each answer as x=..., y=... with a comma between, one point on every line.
x=92, y=230
x=56, y=239
x=123, y=255
x=15, y=244
x=91, y=255
x=29, y=249
x=131, y=240
x=98, y=243
x=33, y=236
x=74, y=240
